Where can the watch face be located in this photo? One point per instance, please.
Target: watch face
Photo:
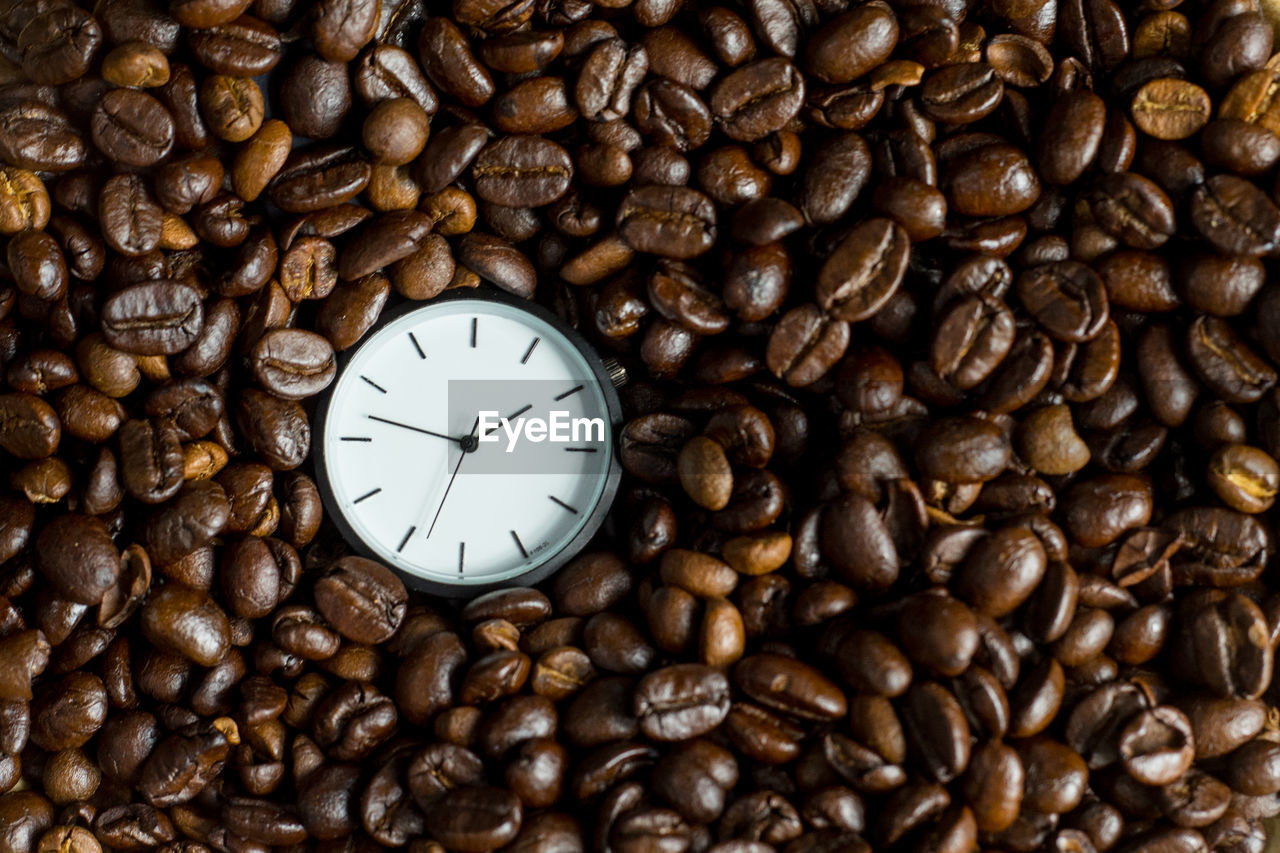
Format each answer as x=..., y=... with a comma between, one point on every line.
x=468, y=443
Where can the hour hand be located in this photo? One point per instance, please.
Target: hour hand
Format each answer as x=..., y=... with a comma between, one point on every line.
x=511, y=417
x=380, y=420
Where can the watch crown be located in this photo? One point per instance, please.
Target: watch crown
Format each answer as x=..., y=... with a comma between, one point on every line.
x=617, y=373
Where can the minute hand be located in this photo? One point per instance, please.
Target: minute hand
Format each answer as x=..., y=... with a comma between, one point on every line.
x=415, y=429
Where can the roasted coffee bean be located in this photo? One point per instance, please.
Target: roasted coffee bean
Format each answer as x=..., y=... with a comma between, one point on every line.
x=388, y=71
x=805, y=345
x=276, y=429
x=39, y=137
x=1156, y=746
x=157, y=318
x=758, y=98
x=864, y=271
x=233, y=106
x=29, y=427
x=1132, y=209
x=151, y=459
x=1225, y=363
x=188, y=623
x=673, y=222
x=245, y=47
x=1235, y=216
x=132, y=127
x=1168, y=108
x=789, y=686
x=961, y=94
x=522, y=172
x=131, y=221
x=75, y=554
x=318, y=178
x=362, y=599
x=1227, y=649
x=292, y=363
x=449, y=63
x=991, y=180
x=681, y=702
x=851, y=44
x=58, y=45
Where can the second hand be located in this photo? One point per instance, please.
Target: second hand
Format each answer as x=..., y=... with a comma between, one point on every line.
x=453, y=476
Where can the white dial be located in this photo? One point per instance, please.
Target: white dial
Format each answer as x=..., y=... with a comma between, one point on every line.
x=415, y=478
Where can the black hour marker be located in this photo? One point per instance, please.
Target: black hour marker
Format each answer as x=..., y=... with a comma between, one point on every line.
x=417, y=346
x=355, y=438
x=563, y=504
x=474, y=321
x=368, y=495
x=462, y=555
x=520, y=545
x=380, y=389
x=574, y=390
x=405, y=540
x=582, y=450
x=529, y=351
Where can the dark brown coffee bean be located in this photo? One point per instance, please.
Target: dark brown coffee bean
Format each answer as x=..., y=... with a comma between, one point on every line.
x=245, y=47
x=673, y=222
x=673, y=113
x=387, y=71
x=805, y=345
x=449, y=63
x=1002, y=570
x=992, y=180
x=681, y=702
x=187, y=623
x=39, y=137
x=1225, y=363
x=993, y=786
x=76, y=555
x=319, y=177
x=1156, y=745
x=232, y=106
x=292, y=363
x=1067, y=299
x=132, y=127
x=834, y=178
x=522, y=171
x=59, y=45
x=864, y=271
x=852, y=44
x=609, y=76
x=962, y=450
x=158, y=318
x=29, y=427
x=364, y=600
x=789, y=686
x=1235, y=216
x=960, y=94
x=496, y=260
x=276, y=429
x=151, y=459
x=971, y=340
x=131, y=221
x=758, y=98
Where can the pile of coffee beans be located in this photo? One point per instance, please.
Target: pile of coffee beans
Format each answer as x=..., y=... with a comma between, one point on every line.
x=950, y=447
